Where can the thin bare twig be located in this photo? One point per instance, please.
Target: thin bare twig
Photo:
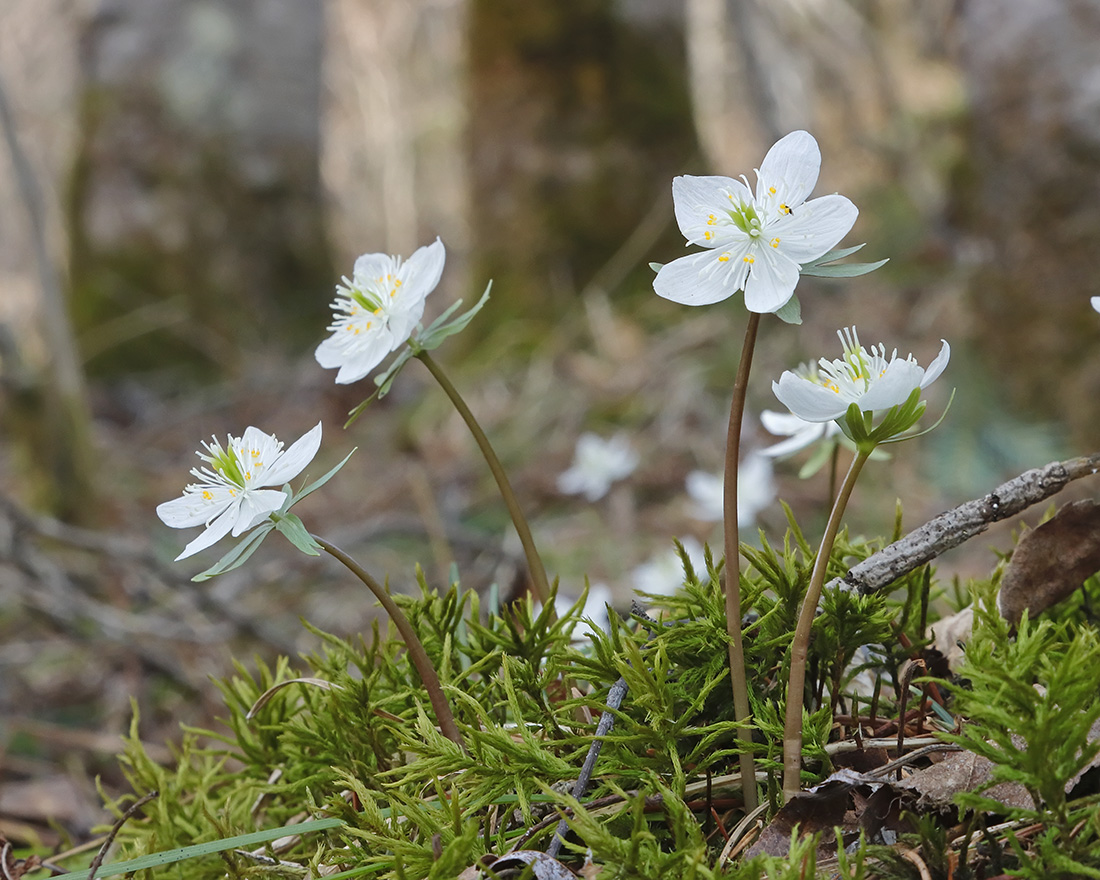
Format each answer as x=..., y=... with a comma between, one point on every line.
x=962, y=523
x=117, y=827
x=615, y=699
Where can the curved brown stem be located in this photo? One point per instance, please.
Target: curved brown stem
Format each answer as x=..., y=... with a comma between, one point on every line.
x=539, y=581
x=733, y=565
x=417, y=654
x=800, y=644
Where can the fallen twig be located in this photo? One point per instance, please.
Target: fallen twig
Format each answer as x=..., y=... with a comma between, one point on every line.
x=117, y=827
x=962, y=523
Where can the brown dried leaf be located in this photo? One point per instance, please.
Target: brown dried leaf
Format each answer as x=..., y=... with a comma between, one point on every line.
x=821, y=808
x=1051, y=561
x=958, y=772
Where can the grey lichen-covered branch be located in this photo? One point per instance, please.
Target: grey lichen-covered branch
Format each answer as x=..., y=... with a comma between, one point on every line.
x=962, y=523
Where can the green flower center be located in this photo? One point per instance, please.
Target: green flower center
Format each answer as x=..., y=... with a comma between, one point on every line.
x=746, y=219
x=226, y=464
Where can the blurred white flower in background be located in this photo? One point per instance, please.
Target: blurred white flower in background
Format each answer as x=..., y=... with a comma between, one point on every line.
x=755, y=491
x=1096, y=303
x=799, y=432
x=597, y=463
x=595, y=608
x=663, y=574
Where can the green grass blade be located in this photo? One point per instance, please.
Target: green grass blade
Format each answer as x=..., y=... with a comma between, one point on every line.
x=183, y=853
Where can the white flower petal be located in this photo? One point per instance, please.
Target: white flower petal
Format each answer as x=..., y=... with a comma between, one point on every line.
x=1095, y=303
x=937, y=366
x=217, y=530
x=192, y=509
x=701, y=279
x=370, y=266
x=294, y=459
x=424, y=269
x=815, y=227
x=256, y=506
x=896, y=383
x=695, y=199
x=791, y=167
x=808, y=400
x=771, y=282
x=792, y=444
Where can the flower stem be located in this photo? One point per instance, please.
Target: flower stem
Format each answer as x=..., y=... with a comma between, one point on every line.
x=534, y=562
x=733, y=566
x=417, y=654
x=800, y=644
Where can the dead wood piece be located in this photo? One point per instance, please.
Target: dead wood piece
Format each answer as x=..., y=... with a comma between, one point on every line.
x=956, y=526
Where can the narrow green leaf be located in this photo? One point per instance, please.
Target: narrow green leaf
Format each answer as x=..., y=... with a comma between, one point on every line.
x=791, y=312
x=431, y=338
x=294, y=531
x=317, y=484
x=196, y=850
x=237, y=557
x=836, y=254
x=842, y=270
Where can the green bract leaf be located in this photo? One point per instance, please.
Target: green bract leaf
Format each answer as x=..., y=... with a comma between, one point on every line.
x=423, y=340
x=316, y=484
x=440, y=328
x=791, y=313
x=844, y=270
x=293, y=529
x=819, y=268
x=239, y=554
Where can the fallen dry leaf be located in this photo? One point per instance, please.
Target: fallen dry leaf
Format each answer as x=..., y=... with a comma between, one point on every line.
x=958, y=772
x=1051, y=561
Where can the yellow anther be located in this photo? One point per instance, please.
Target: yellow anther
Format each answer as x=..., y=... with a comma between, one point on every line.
x=775, y=242
x=784, y=209
x=750, y=259
x=397, y=283
x=711, y=220
x=724, y=258
x=207, y=495
x=771, y=189
x=708, y=235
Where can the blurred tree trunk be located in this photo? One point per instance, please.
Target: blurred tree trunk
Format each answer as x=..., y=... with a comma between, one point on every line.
x=581, y=117
x=396, y=129
x=196, y=211
x=1030, y=200
x=58, y=413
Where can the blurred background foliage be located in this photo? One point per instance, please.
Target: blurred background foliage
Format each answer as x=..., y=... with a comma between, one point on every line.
x=195, y=175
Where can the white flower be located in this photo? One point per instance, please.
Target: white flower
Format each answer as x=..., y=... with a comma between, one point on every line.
x=229, y=496
x=1096, y=303
x=595, y=609
x=597, y=463
x=755, y=243
x=799, y=432
x=823, y=391
x=663, y=575
x=377, y=309
x=755, y=491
